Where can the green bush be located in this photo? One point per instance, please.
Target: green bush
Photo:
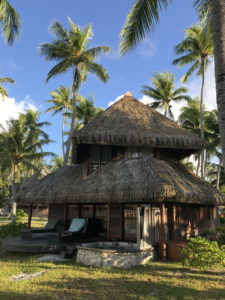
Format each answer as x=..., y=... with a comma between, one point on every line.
x=221, y=234
x=11, y=229
x=203, y=254
x=20, y=214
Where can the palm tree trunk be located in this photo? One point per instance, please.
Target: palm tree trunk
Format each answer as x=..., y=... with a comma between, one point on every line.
x=198, y=165
x=14, y=191
x=63, y=130
x=218, y=175
x=218, y=16
x=69, y=141
x=202, y=119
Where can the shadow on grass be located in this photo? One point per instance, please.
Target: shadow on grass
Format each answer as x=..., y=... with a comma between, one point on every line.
x=23, y=296
x=123, y=288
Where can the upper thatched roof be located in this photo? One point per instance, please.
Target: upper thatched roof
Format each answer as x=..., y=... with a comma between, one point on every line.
x=133, y=180
x=128, y=122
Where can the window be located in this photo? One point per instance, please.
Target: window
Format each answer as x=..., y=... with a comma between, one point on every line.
x=72, y=212
x=130, y=223
x=87, y=211
x=101, y=212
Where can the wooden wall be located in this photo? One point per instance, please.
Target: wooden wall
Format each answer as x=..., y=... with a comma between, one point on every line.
x=57, y=211
x=187, y=221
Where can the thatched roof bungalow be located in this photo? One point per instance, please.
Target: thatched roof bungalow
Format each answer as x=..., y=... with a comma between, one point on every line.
x=127, y=171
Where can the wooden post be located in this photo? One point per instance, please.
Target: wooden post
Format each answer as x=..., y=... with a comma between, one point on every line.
x=85, y=169
x=65, y=213
x=162, y=232
x=171, y=221
x=30, y=216
x=108, y=215
x=94, y=211
x=213, y=216
x=138, y=214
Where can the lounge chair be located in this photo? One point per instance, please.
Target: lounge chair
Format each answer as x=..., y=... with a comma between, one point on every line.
x=52, y=225
x=79, y=229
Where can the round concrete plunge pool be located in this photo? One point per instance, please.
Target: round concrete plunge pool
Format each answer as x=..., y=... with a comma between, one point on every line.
x=113, y=254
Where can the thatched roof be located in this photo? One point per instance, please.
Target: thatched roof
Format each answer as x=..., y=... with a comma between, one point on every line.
x=133, y=180
x=128, y=122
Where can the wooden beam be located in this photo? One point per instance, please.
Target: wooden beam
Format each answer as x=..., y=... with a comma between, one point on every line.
x=162, y=231
x=30, y=216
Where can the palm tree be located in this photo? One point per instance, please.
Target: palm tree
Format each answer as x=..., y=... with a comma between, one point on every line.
x=196, y=49
x=9, y=21
x=86, y=110
x=56, y=163
x=190, y=119
x=70, y=50
x=3, y=91
x=145, y=14
x=62, y=103
x=164, y=92
x=21, y=148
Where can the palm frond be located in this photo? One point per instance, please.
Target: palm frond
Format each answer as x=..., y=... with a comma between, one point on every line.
x=10, y=22
x=98, y=70
x=141, y=19
x=94, y=52
x=61, y=67
x=6, y=79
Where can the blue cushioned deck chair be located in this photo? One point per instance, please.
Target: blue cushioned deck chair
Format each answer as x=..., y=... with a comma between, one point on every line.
x=77, y=229
x=78, y=225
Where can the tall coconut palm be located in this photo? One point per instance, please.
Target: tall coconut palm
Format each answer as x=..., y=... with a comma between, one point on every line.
x=9, y=22
x=145, y=14
x=164, y=92
x=3, y=91
x=70, y=51
x=190, y=119
x=20, y=148
x=61, y=103
x=196, y=49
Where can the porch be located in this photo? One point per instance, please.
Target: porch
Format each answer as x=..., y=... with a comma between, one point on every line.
x=144, y=225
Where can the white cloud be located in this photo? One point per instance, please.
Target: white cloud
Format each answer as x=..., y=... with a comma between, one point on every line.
x=148, y=48
x=10, y=108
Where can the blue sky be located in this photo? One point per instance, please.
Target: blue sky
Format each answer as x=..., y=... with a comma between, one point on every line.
x=23, y=63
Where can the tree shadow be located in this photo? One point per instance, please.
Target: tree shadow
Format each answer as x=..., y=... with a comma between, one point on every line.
x=124, y=288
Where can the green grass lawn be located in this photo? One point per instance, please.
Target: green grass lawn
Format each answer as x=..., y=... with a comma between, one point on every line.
x=67, y=281
x=36, y=222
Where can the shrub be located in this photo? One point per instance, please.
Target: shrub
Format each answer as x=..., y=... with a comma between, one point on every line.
x=20, y=214
x=203, y=254
x=11, y=229
x=221, y=234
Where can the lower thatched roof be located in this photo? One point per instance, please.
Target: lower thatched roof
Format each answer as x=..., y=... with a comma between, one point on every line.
x=133, y=180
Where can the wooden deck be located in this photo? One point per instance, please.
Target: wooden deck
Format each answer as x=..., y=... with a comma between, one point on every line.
x=17, y=244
